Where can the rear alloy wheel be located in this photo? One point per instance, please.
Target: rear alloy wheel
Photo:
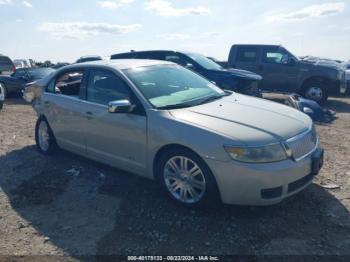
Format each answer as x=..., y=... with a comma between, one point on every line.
x=316, y=93
x=44, y=137
x=187, y=179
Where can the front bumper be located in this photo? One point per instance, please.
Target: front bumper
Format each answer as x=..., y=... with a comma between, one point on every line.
x=263, y=184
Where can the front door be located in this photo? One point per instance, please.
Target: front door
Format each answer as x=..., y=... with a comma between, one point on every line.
x=117, y=139
x=277, y=74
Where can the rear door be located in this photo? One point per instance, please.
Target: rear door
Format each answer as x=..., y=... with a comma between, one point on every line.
x=117, y=139
x=245, y=57
x=62, y=105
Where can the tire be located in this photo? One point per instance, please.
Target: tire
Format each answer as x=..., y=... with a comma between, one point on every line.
x=44, y=137
x=198, y=189
x=1, y=105
x=317, y=92
x=5, y=90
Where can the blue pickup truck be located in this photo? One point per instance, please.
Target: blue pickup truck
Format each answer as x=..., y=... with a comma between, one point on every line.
x=284, y=72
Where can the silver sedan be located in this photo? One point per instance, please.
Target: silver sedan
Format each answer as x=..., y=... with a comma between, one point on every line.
x=164, y=122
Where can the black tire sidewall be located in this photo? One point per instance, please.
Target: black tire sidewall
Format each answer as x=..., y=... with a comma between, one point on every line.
x=211, y=195
x=5, y=90
x=324, y=91
x=52, y=142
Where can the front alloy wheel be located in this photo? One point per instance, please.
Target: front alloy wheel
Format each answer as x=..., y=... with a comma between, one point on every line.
x=184, y=180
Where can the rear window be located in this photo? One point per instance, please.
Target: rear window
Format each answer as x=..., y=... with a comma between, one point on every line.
x=247, y=54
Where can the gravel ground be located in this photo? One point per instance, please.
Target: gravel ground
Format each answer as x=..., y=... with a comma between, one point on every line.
x=71, y=206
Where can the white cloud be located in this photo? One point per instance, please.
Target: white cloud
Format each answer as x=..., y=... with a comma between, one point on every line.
x=165, y=8
x=6, y=2
x=313, y=11
x=81, y=30
x=181, y=36
x=19, y=20
x=27, y=4
x=174, y=36
x=113, y=4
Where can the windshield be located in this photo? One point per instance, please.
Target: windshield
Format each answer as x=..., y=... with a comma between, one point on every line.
x=40, y=73
x=172, y=86
x=204, y=61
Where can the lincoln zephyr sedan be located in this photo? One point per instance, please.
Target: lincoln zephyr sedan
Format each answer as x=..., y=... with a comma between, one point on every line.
x=167, y=123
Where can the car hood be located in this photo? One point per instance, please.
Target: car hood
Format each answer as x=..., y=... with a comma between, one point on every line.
x=322, y=64
x=247, y=120
x=237, y=73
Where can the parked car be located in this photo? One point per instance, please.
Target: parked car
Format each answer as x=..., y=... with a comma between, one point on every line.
x=165, y=122
x=22, y=63
x=16, y=82
x=2, y=96
x=59, y=65
x=284, y=72
x=90, y=58
x=232, y=79
x=6, y=65
x=347, y=76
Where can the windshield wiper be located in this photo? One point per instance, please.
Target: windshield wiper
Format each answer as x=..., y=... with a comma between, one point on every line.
x=177, y=106
x=210, y=99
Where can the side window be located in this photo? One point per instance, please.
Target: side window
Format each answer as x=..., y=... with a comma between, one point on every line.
x=247, y=54
x=69, y=83
x=273, y=56
x=105, y=87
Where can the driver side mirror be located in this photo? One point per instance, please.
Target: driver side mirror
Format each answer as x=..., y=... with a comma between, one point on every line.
x=292, y=61
x=120, y=106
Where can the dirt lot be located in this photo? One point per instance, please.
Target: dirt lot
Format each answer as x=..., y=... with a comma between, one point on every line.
x=68, y=205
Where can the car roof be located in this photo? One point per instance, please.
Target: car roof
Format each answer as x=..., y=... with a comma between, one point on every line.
x=260, y=45
x=120, y=64
x=151, y=51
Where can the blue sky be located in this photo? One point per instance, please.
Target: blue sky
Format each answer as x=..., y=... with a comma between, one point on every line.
x=67, y=29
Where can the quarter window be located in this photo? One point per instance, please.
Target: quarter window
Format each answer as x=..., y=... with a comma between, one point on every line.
x=69, y=83
x=247, y=54
x=105, y=87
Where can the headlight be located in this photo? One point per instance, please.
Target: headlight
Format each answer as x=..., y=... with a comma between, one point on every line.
x=263, y=154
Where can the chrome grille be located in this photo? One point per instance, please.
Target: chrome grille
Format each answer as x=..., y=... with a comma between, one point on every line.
x=303, y=144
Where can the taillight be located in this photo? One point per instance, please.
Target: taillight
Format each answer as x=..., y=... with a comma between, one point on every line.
x=13, y=69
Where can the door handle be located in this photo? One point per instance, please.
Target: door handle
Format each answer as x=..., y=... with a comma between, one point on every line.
x=89, y=115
